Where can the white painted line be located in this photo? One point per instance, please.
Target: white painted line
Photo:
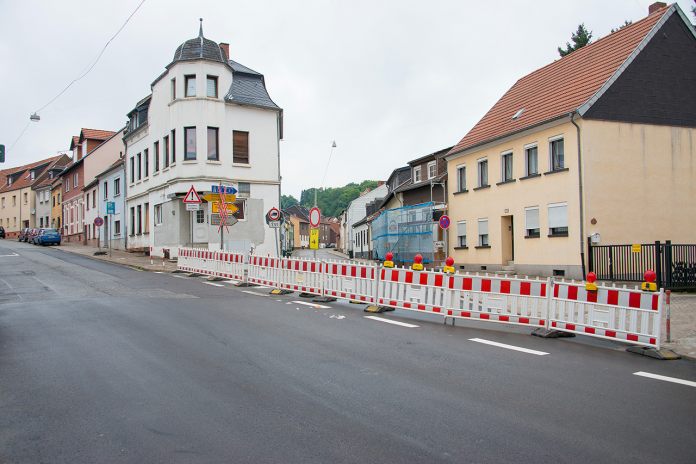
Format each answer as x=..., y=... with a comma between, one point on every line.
x=233, y=282
x=666, y=379
x=389, y=321
x=509, y=347
x=210, y=283
x=312, y=305
x=5, y=256
x=253, y=293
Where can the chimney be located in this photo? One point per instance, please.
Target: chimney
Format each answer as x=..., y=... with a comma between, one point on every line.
x=655, y=7
x=226, y=48
x=380, y=183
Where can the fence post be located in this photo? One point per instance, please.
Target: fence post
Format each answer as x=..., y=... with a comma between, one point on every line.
x=668, y=263
x=549, y=300
x=375, y=292
x=669, y=329
x=611, y=263
x=658, y=263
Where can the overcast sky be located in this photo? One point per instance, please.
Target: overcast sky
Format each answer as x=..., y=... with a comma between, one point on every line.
x=389, y=81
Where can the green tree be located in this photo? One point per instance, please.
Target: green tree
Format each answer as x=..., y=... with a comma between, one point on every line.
x=287, y=201
x=332, y=201
x=626, y=23
x=580, y=38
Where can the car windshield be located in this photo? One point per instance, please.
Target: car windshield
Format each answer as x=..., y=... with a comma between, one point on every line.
x=50, y=231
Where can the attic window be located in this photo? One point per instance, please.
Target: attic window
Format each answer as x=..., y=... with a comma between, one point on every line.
x=518, y=114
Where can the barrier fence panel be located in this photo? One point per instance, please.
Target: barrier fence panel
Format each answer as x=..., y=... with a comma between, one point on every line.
x=264, y=271
x=512, y=301
x=412, y=290
x=232, y=265
x=301, y=275
x=632, y=316
x=350, y=281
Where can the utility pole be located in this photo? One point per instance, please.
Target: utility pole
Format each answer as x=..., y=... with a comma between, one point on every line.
x=315, y=205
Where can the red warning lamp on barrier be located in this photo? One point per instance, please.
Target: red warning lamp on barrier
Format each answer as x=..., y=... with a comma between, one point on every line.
x=417, y=266
x=389, y=262
x=649, y=285
x=449, y=269
x=591, y=286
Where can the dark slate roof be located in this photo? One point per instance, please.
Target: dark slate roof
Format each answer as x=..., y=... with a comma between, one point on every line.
x=242, y=69
x=199, y=48
x=249, y=89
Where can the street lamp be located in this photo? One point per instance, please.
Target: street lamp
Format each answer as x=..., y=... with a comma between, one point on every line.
x=35, y=118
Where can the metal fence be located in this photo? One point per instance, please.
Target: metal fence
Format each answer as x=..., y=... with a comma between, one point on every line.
x=675, y=265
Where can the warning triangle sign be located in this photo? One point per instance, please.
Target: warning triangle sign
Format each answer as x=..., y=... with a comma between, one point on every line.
x=192, y=196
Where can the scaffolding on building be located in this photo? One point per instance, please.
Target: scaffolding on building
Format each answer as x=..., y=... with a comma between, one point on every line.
x=406, y=232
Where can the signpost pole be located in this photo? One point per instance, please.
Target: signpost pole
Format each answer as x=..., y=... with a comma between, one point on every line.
x=315, y=205
x=111, y=233
x=99, y=239
x=221, y=231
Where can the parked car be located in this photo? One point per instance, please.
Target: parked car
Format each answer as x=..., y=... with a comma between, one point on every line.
x=21, y=236
x=2, y=232
x=29, y=236
x=47, y=237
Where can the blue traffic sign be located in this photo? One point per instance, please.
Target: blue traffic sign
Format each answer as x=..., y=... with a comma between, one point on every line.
x=110, y=207
x=228, y=190
x=444, y=222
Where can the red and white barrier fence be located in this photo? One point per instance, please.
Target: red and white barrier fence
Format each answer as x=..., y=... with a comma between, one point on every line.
x=631, y=316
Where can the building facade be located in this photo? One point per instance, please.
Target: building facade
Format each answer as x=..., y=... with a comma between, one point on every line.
x=112, y=190
x=208, y=120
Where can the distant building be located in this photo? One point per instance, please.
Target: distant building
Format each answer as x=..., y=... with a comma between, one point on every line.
x=112, y=190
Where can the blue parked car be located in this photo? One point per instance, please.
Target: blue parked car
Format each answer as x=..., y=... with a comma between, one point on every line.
x=47, y=237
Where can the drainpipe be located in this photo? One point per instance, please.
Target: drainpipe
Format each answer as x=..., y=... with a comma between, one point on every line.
x=582, y=212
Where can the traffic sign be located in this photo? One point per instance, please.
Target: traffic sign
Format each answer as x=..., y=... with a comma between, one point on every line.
x=274, y=214
x=313, y=239
x=193, y=206
x=98, y=222
x=274, y=224
x=216, y=197
x=444, y=222
x=314, y=216
x=110, y=207
x=228, y=190
x=192, y=196
x=215, y=220
x=231, y=209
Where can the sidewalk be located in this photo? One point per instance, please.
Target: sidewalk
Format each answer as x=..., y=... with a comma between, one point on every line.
x=123, y=258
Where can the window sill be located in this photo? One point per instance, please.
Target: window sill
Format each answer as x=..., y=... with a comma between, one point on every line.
x=460, y=192
x=532, y=236
x=511, y=181
x=190, y=162
x=156, y=173
x=146, y=233
x=556, y=171
x=461, y=248
x=165, y=169
x=173, y=164
x=558, y=235
x=482, y=187
x=213, y=162
x=483, y=246
x=241, y=165
x=531, y=176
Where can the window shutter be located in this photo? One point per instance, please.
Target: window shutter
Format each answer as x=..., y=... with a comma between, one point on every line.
x=558, y=215
x=483, y=226
x=240, y=147
x=532, y=218
x=211, y=90
x=461, y=228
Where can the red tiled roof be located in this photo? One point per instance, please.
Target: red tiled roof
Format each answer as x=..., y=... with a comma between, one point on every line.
x=95, y=134
x=562, y=86
x=75, y=141
x=24, y=180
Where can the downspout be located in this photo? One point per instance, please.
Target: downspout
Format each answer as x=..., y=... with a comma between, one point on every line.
x=582, y=212
x=280, y=198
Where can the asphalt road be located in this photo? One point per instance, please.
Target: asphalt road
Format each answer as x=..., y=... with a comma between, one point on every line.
x=101, y=363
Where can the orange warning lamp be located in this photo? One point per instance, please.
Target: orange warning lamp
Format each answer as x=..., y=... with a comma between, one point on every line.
x=417, y=266
x=389, y=262
x=649, y=285
x=591, y=286
x=449, y=269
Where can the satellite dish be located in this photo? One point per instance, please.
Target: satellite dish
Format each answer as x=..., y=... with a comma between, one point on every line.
x=32, y=211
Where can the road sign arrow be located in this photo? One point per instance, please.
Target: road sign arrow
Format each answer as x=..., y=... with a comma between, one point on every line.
x=216, y=197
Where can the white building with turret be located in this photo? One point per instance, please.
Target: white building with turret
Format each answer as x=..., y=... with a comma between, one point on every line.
x=208, y=120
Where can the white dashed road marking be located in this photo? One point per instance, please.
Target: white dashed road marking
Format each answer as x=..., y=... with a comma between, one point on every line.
x=389, y=321
x=665, y=378
x=312, y=305
x=210, y=283
x=509, y=347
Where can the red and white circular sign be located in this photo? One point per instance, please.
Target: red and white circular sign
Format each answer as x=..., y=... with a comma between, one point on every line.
x=274, y=214
x=314, y=217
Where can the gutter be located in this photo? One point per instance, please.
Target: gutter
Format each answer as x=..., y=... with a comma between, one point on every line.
x=582, y=212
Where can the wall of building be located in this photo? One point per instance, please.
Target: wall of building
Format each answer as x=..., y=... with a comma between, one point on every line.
x=57, y=206
x=501, y=204
x=118, y=240
x=42, y=202
x=640, y=182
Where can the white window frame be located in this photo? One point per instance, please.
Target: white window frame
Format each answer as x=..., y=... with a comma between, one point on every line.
x=526, y=226
x=432, y=164
x=158, y=215
x=479, y=162
x=459, y=242
x=528, y=147
x=76, y=180
x=117, y=186
x=563, y=204
x=480, y=235
x=417, y=170
x=106, y=190
x=502, y=165
x=555, y=138
x=459, y=178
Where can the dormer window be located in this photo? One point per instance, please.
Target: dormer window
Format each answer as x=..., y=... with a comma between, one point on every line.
x=518, y=114
x=9, y=181
x=416, y=175
x=32, y=175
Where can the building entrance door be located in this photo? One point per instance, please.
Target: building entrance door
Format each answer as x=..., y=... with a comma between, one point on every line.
x=199, y=226
x=507, y=235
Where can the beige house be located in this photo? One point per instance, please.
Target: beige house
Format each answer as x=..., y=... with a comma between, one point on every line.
x=599, y=143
